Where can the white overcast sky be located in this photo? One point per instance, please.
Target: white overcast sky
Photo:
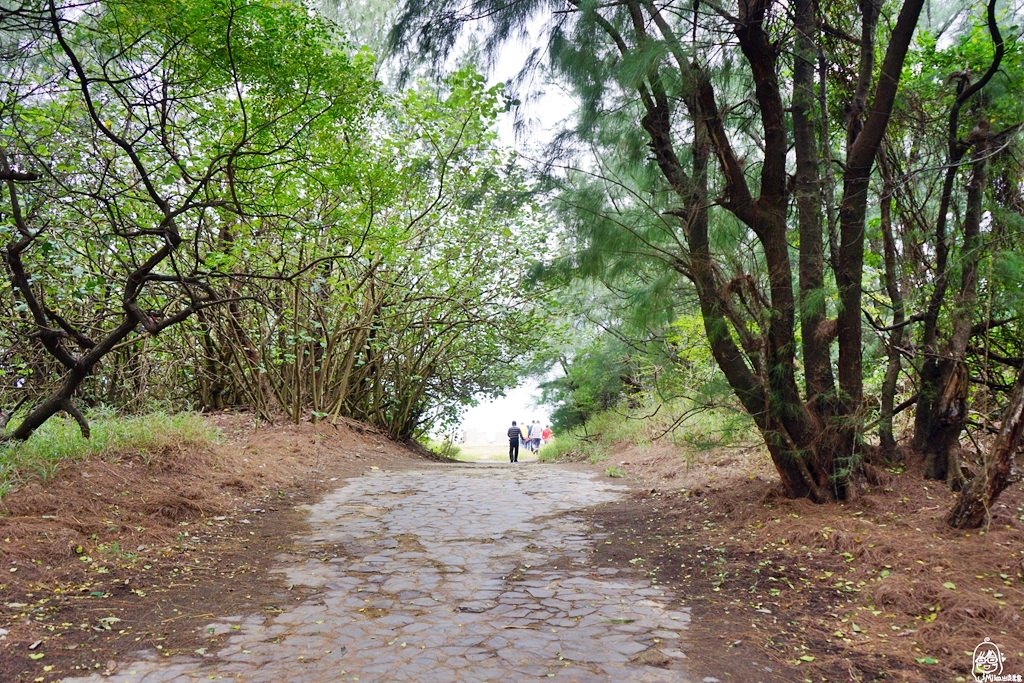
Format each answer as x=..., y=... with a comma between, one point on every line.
x=518, y=405
x=545, y=115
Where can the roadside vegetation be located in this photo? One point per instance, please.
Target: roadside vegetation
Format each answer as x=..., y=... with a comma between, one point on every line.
x=877, y=588
x=197, y=217
x=441, y=447
x=678, y=424
x=60, y=442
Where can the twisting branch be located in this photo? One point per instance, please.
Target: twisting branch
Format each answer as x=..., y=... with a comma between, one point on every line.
x=7, y=174
x=955, y=153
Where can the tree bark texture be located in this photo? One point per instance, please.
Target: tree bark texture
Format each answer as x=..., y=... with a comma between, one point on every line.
x=853, y=209
x=819, y=382
x=807, y=437
x=976, y=498
x=894, y=288
x=947, y=398
x=939, y=406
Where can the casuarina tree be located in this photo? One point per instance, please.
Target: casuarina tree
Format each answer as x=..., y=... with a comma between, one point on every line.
x=731, y=103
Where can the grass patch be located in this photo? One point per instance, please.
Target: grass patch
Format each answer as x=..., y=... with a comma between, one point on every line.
x=680, y=423
x=557, y=449
x=60, y=440
x=444, y=449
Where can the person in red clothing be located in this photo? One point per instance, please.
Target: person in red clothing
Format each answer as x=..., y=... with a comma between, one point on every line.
x=546, y=434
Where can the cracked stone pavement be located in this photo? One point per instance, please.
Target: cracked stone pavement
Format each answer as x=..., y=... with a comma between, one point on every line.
x=447, y=574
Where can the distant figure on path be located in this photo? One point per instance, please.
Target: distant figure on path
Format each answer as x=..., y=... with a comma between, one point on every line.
x=546, y=434
x=514, y=434
x=535, y=436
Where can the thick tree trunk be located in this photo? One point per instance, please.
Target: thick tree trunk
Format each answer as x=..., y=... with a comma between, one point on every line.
x=818, y=379
x=976, y=498
x=948, y=408
x=933, y=407
x=859, y=161
x=693, y=191
x=803, y=434
x=933, y=375
x=789, y=461
x=61, y=397
x=58, y=400
x=806, y=442
x=946, y=412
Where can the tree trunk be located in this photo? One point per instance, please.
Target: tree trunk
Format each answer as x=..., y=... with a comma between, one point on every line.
x=212, y=382
x=947, y=416
x=947, y=397
x=818, y=379
x=793, y=472
x=700, y=268
x=58, y=400
x=894, y=287
x=852, y=211
x=61, y=397
x=807, y=444
x=934, y=393
x=976, y=498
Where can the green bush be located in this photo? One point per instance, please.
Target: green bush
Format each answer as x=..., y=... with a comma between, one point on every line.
x=680, y=423
x=60, y=440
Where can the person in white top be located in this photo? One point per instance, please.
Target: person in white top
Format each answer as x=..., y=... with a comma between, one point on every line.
x=535, y=430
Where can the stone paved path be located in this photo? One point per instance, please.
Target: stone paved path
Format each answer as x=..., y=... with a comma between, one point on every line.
x=426, y=589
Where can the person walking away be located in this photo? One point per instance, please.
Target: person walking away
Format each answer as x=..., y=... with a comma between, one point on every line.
x=546, y=435
x=514, y=435
x=535, y=436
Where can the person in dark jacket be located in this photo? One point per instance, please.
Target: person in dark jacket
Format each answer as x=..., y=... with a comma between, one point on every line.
x=514, y=434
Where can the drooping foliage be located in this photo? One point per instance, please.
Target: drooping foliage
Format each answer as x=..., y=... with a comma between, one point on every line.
x=211, y=203
x=422, y=313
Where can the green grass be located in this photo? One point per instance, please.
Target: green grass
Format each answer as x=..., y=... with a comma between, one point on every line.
x=59, y=440
x=445, y=449
x=697, y=431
